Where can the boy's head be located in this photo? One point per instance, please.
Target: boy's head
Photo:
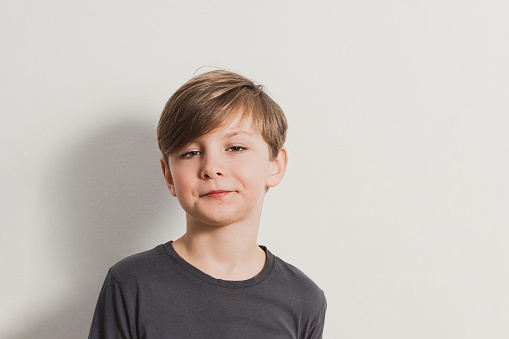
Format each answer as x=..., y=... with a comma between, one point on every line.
x=213, y=99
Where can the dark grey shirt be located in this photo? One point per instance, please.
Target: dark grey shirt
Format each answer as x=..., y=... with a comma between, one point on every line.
x=157, y=294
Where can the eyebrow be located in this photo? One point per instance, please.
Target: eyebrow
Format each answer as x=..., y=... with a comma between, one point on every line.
x=234, y=133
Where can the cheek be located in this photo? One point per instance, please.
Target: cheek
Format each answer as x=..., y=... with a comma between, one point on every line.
x=181, y=181
x=181, y=185
x=254, y=173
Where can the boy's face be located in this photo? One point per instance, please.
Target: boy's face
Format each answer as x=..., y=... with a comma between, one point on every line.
x=221, y=178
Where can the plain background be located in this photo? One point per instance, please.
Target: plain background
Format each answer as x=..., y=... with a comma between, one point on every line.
x=396, y=198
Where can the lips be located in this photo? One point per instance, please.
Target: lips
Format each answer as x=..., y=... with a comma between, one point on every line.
x=216, y=194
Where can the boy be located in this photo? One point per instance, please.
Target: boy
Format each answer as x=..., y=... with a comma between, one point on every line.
x=221, y=138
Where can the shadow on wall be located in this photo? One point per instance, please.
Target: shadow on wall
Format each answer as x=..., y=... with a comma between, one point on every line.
x=103, y=197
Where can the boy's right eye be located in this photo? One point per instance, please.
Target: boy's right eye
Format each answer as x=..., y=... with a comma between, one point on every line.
x=190, y=154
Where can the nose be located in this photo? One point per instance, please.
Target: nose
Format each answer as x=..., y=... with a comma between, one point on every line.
x=212, y=167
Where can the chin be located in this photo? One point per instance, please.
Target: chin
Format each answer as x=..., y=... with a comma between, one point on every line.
x=216, y=220
x=222, y=215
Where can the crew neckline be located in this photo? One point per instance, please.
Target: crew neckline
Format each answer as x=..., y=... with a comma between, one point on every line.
x=232, y=284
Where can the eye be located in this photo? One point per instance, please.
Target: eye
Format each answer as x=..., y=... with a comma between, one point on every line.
x=190, y=154
x=236, y=149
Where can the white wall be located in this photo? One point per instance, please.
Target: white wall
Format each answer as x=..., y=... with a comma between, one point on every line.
x=396, y=198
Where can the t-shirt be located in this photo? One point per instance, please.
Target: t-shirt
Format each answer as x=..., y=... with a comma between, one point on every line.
x=157, y=294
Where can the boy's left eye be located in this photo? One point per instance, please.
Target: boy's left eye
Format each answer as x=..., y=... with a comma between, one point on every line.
x=236, y=149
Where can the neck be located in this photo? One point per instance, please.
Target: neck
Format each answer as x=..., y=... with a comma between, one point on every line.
x=226, y=252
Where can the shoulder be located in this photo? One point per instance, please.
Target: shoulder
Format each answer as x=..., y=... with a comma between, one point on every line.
x=140, y=265
x=300, y=296
x=305, y=290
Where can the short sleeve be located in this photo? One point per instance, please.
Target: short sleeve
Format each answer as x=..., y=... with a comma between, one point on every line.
x=317, y=332
x=111, y=320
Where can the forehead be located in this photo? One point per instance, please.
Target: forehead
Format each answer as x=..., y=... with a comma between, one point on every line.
x=240, y=126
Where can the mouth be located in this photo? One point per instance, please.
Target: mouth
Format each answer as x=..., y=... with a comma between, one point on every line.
x=217, y=194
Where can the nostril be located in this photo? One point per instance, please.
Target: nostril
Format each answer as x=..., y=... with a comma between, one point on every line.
x=211, y=172
x=213, y=175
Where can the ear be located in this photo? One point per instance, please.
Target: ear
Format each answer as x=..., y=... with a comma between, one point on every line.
x=277, y=169
x=168, y=178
